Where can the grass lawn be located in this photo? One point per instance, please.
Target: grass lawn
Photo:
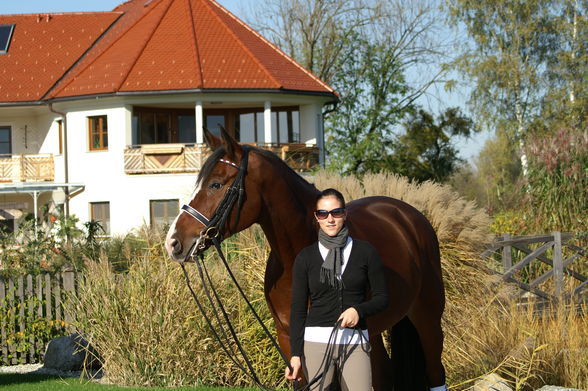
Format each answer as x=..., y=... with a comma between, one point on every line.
x=32, y=382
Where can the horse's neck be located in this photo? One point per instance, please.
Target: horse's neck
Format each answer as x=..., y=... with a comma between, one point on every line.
x=287, y=216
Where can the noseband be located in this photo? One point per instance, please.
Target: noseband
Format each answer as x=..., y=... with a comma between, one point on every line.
x=235, y=193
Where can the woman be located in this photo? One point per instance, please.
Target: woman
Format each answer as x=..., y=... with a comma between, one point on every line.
x=335, y=273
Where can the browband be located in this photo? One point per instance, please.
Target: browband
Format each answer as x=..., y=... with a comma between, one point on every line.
x=193, y=212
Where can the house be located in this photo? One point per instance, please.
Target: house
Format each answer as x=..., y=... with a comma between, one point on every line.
x=101, y=113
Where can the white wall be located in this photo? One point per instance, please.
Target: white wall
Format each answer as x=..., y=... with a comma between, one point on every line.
x=308, y=122
x=103, y=174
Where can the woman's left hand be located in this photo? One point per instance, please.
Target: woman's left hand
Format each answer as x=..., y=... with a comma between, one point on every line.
x=349, y=318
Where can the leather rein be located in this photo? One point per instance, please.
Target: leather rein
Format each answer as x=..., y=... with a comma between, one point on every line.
x=212, y=234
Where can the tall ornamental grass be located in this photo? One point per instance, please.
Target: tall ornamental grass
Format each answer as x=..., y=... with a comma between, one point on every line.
x=148, y=331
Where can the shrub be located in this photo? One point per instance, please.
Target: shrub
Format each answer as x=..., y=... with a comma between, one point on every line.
x=149, y=331
x=558, y=179
x=36, y=330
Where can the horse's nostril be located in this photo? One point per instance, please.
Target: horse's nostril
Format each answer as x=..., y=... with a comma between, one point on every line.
x=176, y=246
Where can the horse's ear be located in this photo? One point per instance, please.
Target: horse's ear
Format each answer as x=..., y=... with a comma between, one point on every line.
x=211, y=140
x=231, y=145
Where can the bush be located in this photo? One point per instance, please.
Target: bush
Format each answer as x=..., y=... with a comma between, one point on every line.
x=36, y=330
x=558, y=179
x=149, y=331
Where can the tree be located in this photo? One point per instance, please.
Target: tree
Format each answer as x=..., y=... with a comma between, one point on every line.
x=315, y=32
x=566, y=99
x=426, y=151
x=363, y=48
x=499, y=171
x=512, y=41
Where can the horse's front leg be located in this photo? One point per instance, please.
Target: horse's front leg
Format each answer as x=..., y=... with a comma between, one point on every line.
x=277, y=288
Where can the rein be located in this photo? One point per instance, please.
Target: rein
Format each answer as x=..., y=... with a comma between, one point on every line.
x=226, y=331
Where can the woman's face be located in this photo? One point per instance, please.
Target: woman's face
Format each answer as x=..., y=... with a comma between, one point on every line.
x=331, y=225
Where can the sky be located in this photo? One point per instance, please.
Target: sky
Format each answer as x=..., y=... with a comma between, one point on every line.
x=468, y=148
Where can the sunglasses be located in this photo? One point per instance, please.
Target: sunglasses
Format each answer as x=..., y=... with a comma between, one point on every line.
x=322, y=214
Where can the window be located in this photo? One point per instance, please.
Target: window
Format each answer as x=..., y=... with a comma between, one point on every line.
x=249, y=125
x=98, y=133
x=60, y=134
x=5, y=140
x=162, y=126
x=100, y=212
x=7, y=226
x=5, y=36
x=163, y=212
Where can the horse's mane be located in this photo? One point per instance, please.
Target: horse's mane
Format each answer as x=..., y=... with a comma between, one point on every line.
x=218, y=153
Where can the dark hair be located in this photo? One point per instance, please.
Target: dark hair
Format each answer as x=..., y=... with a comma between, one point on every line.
x=330, y=192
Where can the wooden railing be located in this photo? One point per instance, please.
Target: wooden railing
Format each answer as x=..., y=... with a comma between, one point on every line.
x=557, y=279
x=27, y=168
x=26, y=301
x=180, y=158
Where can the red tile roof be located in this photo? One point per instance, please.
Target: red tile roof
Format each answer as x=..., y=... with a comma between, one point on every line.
x=160, y=45
x=43, y=48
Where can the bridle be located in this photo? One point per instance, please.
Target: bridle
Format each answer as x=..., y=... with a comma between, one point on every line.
x=213, y=226
x=212, y=234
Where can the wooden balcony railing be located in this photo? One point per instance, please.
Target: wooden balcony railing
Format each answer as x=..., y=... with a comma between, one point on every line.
x=181, y=158
x=27, y=168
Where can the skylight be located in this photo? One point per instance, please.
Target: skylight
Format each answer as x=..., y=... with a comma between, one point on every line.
x=5, y=36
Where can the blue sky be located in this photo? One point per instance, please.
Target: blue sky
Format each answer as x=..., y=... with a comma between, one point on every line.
x=468, y=148
x=35, y=6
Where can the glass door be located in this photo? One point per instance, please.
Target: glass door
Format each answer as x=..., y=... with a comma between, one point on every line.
x=5, y=141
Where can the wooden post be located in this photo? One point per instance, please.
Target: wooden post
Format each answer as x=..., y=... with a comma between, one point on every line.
x=39, y=288
x=557, y=266
x=48, y=312
x=69, y=288
x=3, y=304
x=57, y=296
x=506, y=254
x=12, y=319
x=21, y=312
x=31, y=315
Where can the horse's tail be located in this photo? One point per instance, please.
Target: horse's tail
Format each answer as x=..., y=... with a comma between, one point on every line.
x=408, y=360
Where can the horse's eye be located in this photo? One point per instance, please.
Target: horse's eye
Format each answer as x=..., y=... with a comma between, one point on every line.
x=215, y=185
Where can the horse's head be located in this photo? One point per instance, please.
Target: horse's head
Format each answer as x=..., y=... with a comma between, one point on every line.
x=219, y=206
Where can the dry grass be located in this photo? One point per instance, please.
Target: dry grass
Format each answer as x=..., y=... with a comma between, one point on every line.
x=486, y=331
x=455, y=219
x=149, y=332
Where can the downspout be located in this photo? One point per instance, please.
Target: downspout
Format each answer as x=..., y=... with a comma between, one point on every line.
x=323, y=156
x=65, y=157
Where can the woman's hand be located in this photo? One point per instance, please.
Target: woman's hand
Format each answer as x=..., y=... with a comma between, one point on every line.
x=296, y=364
x=349, y=318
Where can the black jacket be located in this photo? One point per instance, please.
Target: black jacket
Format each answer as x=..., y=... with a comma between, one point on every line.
x=364, y=272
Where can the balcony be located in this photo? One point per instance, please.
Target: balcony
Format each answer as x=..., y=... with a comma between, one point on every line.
x=189, y=158
x=27, y=168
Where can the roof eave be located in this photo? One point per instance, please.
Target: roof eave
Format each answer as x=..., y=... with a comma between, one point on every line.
x=196, y=91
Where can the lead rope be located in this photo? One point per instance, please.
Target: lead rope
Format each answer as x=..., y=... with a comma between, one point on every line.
x=208, y=287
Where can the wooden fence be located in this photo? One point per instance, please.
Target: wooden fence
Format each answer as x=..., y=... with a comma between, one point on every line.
x=31, y=308
x=559, y=281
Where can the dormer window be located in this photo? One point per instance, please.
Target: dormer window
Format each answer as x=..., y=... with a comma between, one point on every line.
x=5, y=36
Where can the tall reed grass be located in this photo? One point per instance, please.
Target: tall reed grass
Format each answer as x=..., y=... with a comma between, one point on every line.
x=148, y=331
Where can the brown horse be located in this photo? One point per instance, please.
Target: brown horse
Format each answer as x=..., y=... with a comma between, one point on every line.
x=282, y=202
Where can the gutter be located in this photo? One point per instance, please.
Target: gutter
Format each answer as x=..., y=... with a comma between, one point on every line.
x=191, y=91
x=65, y=156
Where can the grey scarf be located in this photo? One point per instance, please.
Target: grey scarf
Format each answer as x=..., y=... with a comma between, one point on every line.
x=331, y=267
